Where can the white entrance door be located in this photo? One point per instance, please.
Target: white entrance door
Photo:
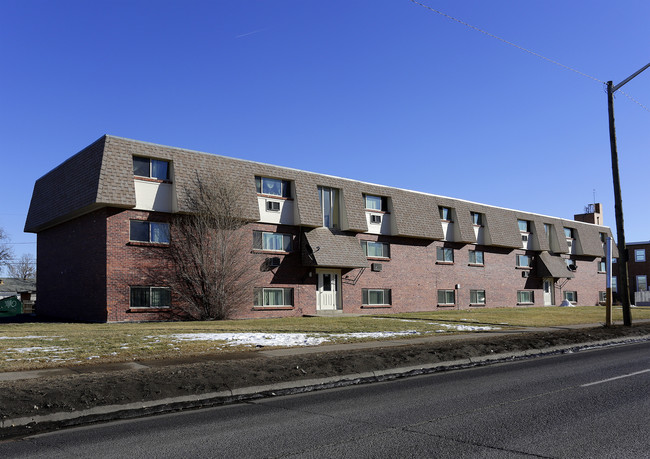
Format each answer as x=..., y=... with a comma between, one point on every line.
x=327, y=295
x=549, y=292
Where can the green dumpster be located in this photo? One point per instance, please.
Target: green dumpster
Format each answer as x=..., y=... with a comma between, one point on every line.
x=10, y=307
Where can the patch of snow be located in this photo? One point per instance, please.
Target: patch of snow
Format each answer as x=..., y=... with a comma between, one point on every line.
x=28, y=337
x=24, y=350
x=460, y=327
x=254, y=339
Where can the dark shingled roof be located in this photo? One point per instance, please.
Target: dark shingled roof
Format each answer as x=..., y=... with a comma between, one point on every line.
x=327, y=248
x=101, y=175
x=552, y=266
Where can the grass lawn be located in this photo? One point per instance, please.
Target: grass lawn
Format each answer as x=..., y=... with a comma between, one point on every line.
x=47, y=345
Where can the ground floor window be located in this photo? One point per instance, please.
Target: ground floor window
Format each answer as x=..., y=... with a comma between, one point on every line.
x=376, y=296
x=444, y=255
x=446, y=297
x=273, y=297
x=477, y=297
x=641, y=283
x=153, y=232
x=525, y=297
x=602, y=297
x=571, y=296
x=151, y=297
x=476, y=257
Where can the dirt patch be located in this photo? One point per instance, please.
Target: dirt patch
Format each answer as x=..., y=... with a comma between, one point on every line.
x=213, y=373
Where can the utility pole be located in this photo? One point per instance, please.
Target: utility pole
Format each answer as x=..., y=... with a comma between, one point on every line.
x=622, y=281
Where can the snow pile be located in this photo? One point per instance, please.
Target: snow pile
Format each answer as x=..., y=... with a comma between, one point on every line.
x=460, y=327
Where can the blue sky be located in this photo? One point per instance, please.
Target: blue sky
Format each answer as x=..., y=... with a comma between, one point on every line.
x=383, y=91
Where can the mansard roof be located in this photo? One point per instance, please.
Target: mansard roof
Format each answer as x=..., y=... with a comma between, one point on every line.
x=101, y=175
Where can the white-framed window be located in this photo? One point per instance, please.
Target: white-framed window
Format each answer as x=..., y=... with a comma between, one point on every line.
x=476, y=257
x=602, y=297
x=150, y=168
x=639, y=255
x=273, y=187
x=444, y=255
x=523, y=261
x=571, y=296
x=445, y=214
x=525, y=297
x=477, y=218
x=276, y=296
x=150, y=297
x=602, y=266
x=272, y=206
x=376, y=296
x=568, y=233
x=641, y=283
x=477, y=297
x=329, y=204
x=446, y=297
x=379, y=203
x=614, y=284
x=374, y=249
x=152, y=232
x=524, y=226
x=272, y=242
x=376, y=219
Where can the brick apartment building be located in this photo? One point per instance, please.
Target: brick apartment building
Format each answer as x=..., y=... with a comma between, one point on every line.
x=331, y=244
x=638, y=272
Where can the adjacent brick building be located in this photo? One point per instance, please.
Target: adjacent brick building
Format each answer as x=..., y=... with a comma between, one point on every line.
x=104, y=219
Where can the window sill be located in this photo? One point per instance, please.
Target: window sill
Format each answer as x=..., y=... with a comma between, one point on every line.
x=477, y=305
x=273, y=196
x=148, y=244
x=375, y=211
x=525, y=304
x=152, y=180
x=147, y=309
x=477, y=265
x=444, y=262
x=378, y=258
x=270, y=252
x=371, y=306
x=272, y=308
x=526, y=268
x=446, y=305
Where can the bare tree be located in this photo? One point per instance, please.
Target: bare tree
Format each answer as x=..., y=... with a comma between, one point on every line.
x=213, y=271
x=24, y=268
x=5, y=251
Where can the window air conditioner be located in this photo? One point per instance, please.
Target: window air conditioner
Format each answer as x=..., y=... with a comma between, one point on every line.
x=375, y=218
x=376, y=267
x=525, y=274
x=273, y=262
x=273, y=206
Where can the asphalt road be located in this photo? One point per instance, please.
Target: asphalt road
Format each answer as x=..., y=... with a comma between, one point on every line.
x=589, y=404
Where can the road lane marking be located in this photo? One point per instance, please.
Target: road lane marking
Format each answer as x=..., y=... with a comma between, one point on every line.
x=615, y=378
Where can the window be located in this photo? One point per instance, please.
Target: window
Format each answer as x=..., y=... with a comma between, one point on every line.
x=153, y=232
x=446, y=297
x=151, y=168
x=273, y=187
x=524, y=226
x=603, y=237
x=445, y=214
x=375, y=249
x=273, y=297
x=602, y=266
x=477, y=297
x=641, y=283
x=329, y=204
x=444, y=255
x=571, y=296
x=379, y=203
x=476, y=257
x=614, y=284
x=376, y=296
x=525, y=297
x=568, y=233
x=547, y=230
x=151, y=297
x=523, y=261
x=375, y=219
x=274, y=242
x=639, y=255
x=273, y=206
x=602, y=297
x=477, y=219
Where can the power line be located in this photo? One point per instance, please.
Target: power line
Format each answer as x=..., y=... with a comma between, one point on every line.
x=507, y=42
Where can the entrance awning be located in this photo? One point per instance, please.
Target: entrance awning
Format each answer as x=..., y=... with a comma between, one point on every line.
x=552, y=266
x=327, y=248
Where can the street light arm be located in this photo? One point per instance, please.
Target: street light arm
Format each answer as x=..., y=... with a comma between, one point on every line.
x=618, y=86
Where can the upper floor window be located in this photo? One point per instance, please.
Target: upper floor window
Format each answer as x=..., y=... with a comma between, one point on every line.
x=273, y=187
x=523, y=261
x=154, y=232
x=379, y=203
x=274, y=242
x=524, y=226
x=603, y=237
x=602, y=266
x=444, y=255
x=151, y=168
x=568, y=233
x=477, y=218
x=445, y=214
x=639, y=255
x=329, y=204
x=476, y=257
x=375, y=249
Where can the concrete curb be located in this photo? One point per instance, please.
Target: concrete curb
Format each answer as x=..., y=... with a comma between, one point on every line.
x=32, y=424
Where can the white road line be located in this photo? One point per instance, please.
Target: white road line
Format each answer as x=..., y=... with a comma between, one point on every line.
x=615, y=378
